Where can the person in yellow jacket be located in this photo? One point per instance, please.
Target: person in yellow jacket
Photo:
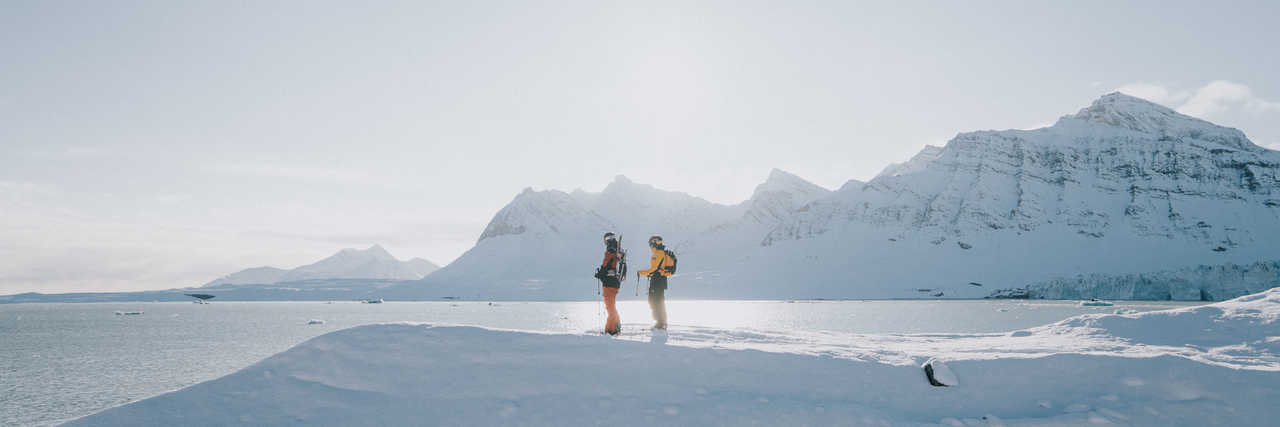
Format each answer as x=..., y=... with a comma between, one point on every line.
x=657, y=272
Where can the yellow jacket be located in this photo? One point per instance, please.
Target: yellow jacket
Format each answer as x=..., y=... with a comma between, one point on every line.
x=657, y=261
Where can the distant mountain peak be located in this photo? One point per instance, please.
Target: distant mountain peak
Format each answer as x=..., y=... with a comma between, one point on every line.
x=918, y=161
x=1130, y=112
x=779, y=175
x=1136, y=114
x=540, y=212
x=1123, y=101
x=378, y=250
x=780, y=180
x=781, y=194
x=375, y=251
x=348, y=263
x=622, y=183
x=852, y=184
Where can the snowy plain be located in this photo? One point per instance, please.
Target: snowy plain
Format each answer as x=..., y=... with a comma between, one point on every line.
x=1216, y=364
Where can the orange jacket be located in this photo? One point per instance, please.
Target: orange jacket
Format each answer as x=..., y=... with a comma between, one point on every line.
x=657, y=261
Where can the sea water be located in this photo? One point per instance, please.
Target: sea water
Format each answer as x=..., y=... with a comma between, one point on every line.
x=62, y=361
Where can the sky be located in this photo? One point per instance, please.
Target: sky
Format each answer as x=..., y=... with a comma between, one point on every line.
x=161, y=144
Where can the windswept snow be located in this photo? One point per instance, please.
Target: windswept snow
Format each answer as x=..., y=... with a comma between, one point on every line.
x=1210, y=365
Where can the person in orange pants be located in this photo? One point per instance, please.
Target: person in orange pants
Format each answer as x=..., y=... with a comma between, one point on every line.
x=613, y=325
x=610, y=283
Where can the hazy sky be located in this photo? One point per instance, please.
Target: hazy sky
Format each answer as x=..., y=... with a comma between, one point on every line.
x=163, y=144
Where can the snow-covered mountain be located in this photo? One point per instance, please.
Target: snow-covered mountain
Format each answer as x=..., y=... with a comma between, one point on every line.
x=372, y=263
x=421, y=266
x=256, y=275
x=1123, y=186
x=779, y=197
x=544, y=240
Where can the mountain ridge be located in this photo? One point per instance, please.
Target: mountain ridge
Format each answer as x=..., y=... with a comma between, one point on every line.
x=1003, y=208
x=374, y=262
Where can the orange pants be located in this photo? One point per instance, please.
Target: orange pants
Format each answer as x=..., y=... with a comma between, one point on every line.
x=614, y=324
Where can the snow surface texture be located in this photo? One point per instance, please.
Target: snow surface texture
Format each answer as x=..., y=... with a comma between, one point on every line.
x=1124, y=186
x=372, y=263
x=1217, y=364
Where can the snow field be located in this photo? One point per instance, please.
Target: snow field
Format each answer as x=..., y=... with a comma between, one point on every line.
x=1207, y=365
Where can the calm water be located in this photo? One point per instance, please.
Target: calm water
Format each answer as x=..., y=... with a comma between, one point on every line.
x=61, y=361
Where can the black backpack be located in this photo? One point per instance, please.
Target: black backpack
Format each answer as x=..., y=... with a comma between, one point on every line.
x=670, y=269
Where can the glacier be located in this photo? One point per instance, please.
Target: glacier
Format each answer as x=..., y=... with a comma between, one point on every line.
x=1199, y=283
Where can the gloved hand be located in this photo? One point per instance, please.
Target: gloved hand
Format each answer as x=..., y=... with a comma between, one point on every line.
x=599, y=274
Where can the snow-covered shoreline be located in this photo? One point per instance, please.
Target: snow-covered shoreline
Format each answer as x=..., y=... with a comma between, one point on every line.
x=1216, y=364
x=1199, y=283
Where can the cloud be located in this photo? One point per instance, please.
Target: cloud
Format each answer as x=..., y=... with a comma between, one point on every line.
x=1155, y=93
x=1215, y=99
x=1222, y=96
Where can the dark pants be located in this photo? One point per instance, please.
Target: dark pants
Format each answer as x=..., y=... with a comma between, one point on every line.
x=658, y=300
x=610, y=282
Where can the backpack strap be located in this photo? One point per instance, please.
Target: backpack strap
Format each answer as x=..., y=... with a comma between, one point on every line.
x=658, y=269
x=662, y=264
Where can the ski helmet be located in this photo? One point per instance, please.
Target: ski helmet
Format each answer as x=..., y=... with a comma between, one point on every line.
x=610, y=236
x=655, y=241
